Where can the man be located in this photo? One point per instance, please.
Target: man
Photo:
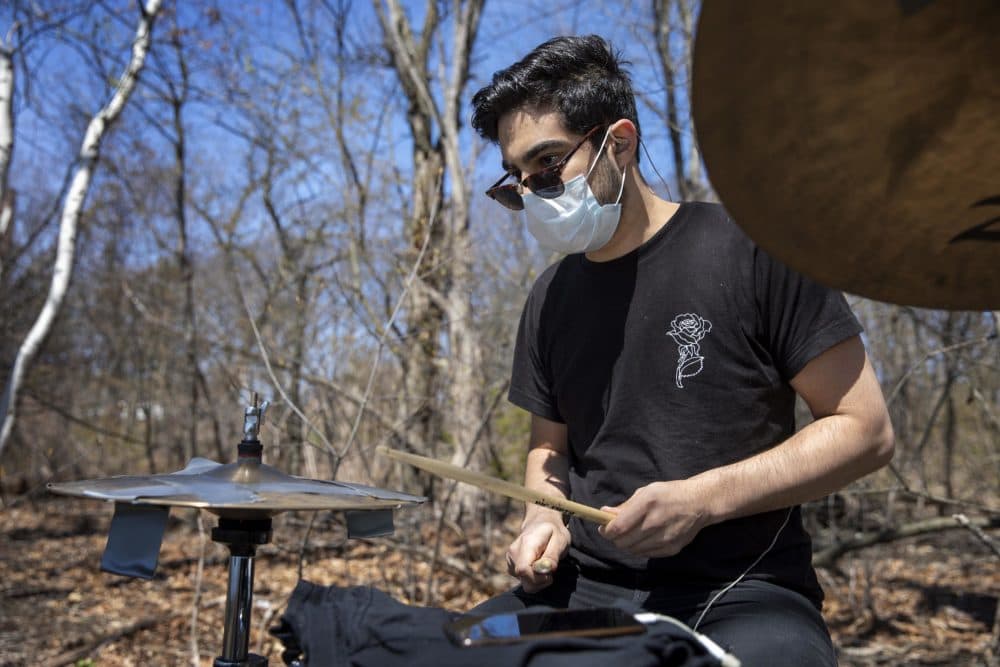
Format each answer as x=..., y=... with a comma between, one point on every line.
x=660, y=361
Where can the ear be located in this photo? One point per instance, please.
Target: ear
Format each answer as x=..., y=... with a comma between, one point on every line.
x=625, y=141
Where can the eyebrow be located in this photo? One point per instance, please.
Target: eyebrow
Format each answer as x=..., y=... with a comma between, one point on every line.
x=536, y=150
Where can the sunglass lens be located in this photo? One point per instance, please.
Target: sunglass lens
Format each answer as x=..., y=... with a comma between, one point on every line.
x=508, y=196
x=547, y=185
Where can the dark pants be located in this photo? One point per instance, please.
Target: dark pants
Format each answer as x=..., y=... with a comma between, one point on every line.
x=758, y=622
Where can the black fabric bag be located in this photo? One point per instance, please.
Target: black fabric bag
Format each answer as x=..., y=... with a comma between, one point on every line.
x=331, y=626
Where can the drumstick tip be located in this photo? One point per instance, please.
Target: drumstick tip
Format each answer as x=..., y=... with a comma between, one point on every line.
x=543, y=565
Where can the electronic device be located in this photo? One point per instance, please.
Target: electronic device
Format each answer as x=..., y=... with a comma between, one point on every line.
x=530, y=625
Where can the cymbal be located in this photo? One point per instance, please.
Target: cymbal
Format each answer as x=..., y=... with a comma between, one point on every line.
x=858, y=141
x=246, y=487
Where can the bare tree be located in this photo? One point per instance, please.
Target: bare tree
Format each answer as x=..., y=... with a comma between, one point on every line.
x=442, y=306
x=62, y=271
x=673, y=27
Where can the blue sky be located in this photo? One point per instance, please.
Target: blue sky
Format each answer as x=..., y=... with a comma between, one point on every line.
x=65, y=88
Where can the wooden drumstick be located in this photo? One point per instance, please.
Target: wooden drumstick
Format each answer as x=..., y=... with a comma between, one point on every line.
x=503, y=487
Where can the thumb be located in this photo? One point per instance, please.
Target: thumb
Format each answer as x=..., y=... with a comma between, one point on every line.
x=616, y=510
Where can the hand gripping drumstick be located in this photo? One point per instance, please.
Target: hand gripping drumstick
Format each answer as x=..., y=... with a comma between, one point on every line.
x=504, y=488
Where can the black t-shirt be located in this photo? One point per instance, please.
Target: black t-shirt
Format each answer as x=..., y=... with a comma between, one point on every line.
x=669, y=361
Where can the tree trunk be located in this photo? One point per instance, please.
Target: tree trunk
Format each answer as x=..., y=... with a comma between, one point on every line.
x=72, y=208
x=425, y=318
x=443, y=304
x=184, y=265
x=6, y=151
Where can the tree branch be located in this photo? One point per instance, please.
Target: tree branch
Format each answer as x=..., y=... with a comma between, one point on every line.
x=829, y=556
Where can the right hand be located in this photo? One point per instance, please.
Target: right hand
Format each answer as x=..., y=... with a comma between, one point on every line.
x=542, y=536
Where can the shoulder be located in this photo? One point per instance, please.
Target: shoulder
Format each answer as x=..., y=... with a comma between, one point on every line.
x=713, y=221
x=554, y=278
x=705, y=235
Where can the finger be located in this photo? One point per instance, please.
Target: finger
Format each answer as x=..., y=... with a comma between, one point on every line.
x=624, y=521
x=630, y=539
x=532, y=547
x=555, y=549
x=536, y=584
x=536, y=578
x=541, y=569
x=655, y=546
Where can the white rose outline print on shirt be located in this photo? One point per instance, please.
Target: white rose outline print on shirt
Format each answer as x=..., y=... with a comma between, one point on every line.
x=687, y=330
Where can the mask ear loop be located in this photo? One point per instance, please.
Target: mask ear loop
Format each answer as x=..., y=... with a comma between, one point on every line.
x=594, y=164
x=621, y=189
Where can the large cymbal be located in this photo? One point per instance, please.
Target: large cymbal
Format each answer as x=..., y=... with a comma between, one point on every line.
x=859, y=141
x=244, y=487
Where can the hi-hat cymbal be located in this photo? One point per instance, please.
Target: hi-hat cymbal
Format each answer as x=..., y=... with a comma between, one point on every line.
x=245, y=487
x=859, y=141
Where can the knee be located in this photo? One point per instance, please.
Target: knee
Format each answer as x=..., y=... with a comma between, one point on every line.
x=776, y=648
x=769, y=626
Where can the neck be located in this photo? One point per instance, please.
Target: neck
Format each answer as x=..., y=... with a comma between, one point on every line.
x=644, y=213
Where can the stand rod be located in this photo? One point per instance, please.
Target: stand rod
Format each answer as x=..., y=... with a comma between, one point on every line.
x=242, y=536
x=239, y=607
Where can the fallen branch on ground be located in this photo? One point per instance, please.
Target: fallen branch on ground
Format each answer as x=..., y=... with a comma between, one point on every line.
x=829, y=556
x=70, y=657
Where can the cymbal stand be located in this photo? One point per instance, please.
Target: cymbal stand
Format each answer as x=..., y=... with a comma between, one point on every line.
x=242, y=536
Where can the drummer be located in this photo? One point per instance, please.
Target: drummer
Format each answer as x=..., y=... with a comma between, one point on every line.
x=660, y=360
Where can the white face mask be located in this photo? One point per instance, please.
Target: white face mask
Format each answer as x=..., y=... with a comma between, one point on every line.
x=574, y=221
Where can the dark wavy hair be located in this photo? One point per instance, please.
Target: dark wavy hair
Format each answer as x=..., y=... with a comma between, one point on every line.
x=582, y=78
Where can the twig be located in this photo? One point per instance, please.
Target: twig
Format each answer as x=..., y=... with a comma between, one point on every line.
x=978, y=532
x=453, y=485
x=33, y=591
x=448, y=563
x=388, y=327
x=274, y=378
x=199, y=571
x=70, y=657
x=270, y=609
x=398, y=431
x=305, y=543
x=934, y=353
x=941, y=500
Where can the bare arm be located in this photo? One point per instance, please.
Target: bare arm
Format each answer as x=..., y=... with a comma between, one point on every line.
x=851, y=437
x=543, y=534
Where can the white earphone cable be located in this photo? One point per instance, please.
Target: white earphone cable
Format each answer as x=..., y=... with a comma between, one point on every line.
x=788, y=515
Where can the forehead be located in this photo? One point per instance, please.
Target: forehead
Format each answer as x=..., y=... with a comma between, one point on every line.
x=520, y=130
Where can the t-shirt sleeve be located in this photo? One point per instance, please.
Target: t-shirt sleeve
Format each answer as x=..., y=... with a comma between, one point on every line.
x=530, y=382
x=801, y=318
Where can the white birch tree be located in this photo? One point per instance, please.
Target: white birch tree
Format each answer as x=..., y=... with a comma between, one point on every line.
x=87, y=160
x=6, y=141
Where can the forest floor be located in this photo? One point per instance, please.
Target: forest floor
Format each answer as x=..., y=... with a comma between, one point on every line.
x=921, y=601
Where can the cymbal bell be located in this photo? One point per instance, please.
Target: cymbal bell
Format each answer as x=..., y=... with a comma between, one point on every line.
x=244, y=488
x=859, y=142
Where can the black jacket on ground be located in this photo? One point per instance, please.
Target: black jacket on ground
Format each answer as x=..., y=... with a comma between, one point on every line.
x=363, y=627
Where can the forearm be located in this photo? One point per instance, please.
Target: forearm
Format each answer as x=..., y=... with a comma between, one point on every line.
x=824, y=456
x=536, y=552
x=547, y=471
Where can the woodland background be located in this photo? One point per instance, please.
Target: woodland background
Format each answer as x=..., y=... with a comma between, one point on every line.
x=202, y=200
